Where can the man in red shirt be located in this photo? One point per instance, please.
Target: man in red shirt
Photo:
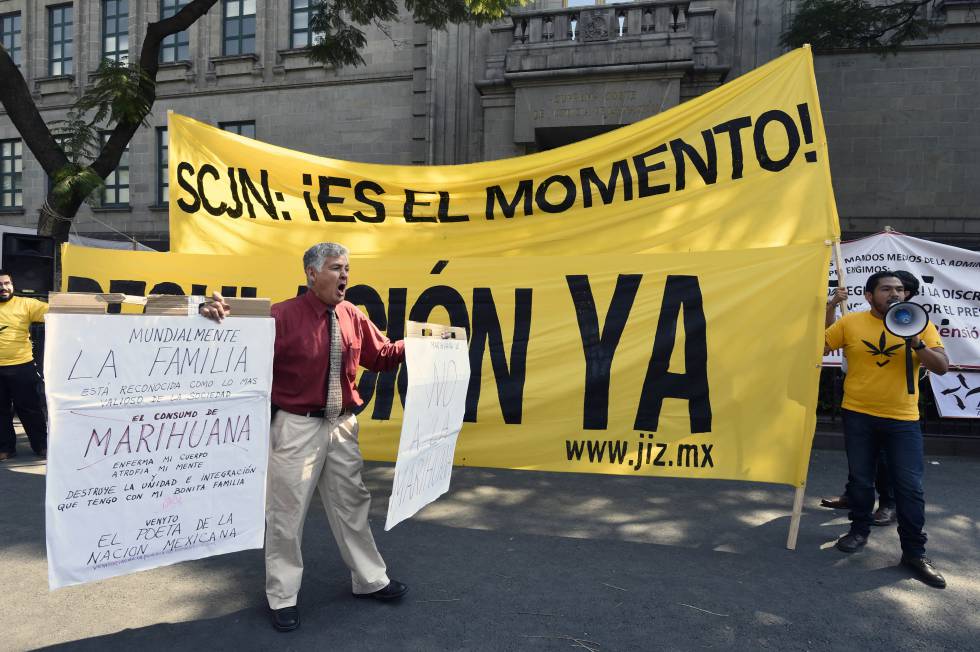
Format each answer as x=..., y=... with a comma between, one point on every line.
x=314, y=433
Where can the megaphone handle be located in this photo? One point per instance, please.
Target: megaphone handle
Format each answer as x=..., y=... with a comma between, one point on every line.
x=909, y=376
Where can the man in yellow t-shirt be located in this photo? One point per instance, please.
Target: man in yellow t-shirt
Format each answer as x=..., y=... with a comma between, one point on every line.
x=20, y=384
x=879, y=413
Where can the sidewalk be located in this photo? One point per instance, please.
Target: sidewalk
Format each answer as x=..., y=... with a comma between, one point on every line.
x=512, y=560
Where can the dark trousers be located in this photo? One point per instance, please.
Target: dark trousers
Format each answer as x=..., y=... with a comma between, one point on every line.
x=883, y=482
x=865, y=436
x=20, y=388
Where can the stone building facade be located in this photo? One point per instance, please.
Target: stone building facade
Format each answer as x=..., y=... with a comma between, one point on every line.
x=904, y=129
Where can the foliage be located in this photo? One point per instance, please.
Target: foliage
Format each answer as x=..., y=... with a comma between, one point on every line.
x=337, y=23
x=73, y=152
x=74, y=180
x=115, y=96
x=118, y=94
x=833, y=24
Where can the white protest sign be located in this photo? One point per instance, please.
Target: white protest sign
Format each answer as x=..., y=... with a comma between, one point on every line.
x=158, y=440
x=949, y=286
x=438, y=378
x=957, y=394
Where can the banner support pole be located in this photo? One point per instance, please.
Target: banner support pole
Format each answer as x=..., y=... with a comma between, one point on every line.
x=794, y=520
x=839, y=264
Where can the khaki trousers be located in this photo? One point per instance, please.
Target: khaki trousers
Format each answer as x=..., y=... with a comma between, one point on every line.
x=307, y=453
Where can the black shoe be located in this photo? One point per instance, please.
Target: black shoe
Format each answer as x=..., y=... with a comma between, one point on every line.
x=839, y=502
x=43, y=454
x=285, y=619
x=393, y=591
x=4, y=456
x=884, y=516
x=925, y=571
x=851, y=542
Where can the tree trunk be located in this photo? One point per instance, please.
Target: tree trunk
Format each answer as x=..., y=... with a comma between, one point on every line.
x=55, y=217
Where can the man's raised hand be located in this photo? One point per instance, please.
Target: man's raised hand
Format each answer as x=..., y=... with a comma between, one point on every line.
x=215, y=308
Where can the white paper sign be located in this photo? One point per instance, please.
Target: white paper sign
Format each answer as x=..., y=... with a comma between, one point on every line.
x=438, y=378
x=949, y=288
x=158, y=440
x=957, y=394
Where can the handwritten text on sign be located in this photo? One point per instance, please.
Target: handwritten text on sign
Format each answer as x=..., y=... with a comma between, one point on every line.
x=438, y=375
x=158, y=442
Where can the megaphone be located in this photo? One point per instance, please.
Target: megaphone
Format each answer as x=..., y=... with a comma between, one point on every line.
x=906, y=320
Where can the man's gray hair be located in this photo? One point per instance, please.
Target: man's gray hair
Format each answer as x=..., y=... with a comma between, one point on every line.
x=318, y=253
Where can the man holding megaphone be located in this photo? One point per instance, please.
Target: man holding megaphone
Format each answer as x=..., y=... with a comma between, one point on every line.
x=880, y=411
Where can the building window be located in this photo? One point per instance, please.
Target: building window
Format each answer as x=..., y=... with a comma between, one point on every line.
x=115, y=30
x=10, y=35
x=60, y=41
x=11, y=173
x=163, y=166
x=300, y=35
x=176, y=47
x=238, y=27
x=242, y=128
x=116, y=191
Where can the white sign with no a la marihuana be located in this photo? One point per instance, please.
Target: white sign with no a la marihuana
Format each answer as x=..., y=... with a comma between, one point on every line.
x=158, y=442
x=438, y=379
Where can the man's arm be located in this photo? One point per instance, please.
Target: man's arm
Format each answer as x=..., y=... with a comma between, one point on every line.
x=833, y=337
x=378, y=353
x=838, y=297
x=934, y=359
x=38, y=310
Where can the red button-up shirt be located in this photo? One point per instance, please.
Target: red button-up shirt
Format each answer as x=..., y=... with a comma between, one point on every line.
x=302, y=352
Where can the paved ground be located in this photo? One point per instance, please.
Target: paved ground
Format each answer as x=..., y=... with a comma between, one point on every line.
x=514, y=560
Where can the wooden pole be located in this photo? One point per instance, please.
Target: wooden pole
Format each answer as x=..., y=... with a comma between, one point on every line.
x=794, y=520
x=841, y=281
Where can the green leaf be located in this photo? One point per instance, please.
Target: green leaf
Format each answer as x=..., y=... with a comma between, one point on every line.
x=121, y=92
x=73, y=181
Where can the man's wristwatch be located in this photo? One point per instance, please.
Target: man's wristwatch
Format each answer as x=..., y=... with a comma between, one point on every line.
x=918, y=347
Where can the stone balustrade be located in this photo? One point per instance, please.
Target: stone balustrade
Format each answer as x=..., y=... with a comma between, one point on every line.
x=599, y=23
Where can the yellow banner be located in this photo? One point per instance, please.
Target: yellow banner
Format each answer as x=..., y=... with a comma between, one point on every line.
x=649, y=301
x=668, y=364
x=744, y=166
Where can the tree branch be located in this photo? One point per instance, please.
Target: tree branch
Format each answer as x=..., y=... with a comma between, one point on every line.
x=831, y=24
x=23, y=112
x=149, y=61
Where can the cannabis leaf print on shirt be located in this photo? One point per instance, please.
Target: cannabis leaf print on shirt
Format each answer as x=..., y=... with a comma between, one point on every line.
x=881, y=350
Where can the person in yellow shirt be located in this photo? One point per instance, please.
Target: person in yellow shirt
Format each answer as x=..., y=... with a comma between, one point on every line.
x=879, y=413
x=885, y=514
x=20, y=384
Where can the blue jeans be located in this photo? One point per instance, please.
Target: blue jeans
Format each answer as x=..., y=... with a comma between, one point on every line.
x=883, y=482
x=864, y=437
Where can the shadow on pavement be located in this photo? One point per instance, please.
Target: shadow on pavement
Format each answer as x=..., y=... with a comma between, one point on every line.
x=513, y=560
